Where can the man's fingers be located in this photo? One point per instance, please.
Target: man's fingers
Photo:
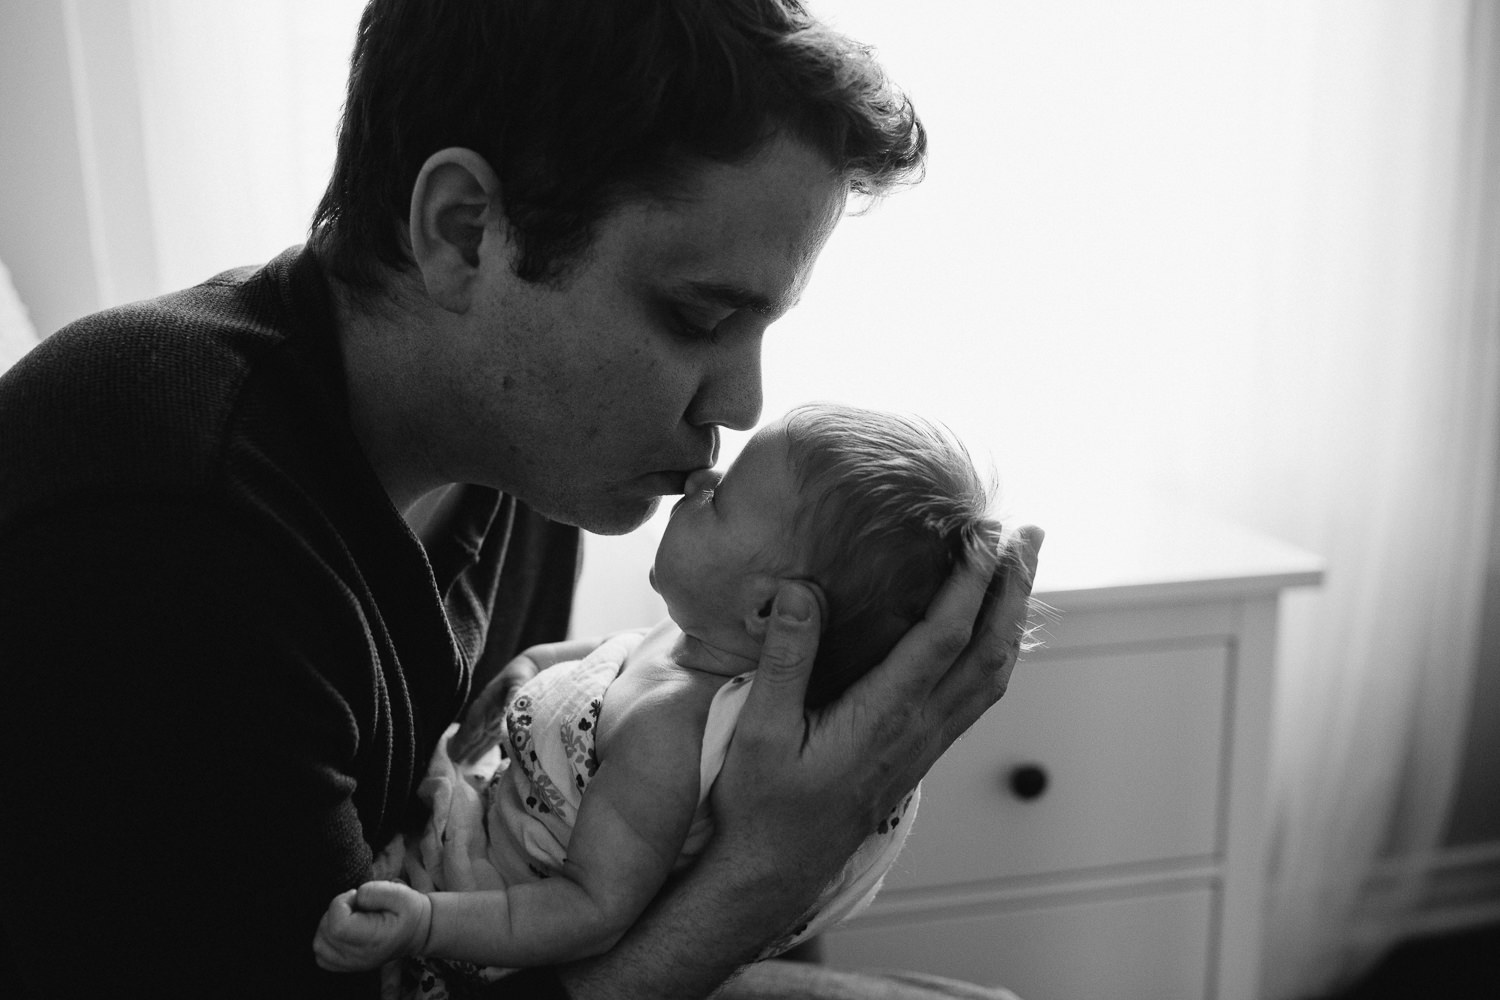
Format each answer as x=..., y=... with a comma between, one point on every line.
x=981, y=676
x=1032, y=537
x=929, y=649
x=1006, y=615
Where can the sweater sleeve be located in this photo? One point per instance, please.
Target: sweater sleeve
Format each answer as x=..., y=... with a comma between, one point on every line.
x=185, y=723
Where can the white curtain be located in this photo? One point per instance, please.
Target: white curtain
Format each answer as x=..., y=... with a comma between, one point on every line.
x=1242, y=256
x=17, y=335
x=239, y=103
x=1380, y=338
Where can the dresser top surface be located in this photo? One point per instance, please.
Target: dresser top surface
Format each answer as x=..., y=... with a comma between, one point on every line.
x=1162, y=555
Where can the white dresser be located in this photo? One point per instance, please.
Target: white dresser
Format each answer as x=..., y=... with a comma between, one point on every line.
x=1102, y=833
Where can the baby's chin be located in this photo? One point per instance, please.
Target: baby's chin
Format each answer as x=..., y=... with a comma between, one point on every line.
x=651, y=578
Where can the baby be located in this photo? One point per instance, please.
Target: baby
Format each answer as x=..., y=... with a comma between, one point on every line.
x=611, y=757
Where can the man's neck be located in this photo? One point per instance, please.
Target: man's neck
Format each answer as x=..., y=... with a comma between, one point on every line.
x=383, y=379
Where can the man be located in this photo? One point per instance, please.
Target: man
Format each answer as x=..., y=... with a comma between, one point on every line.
x=260, y=539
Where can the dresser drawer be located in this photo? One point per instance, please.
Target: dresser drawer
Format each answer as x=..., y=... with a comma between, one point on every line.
x=1152, y=946
x=1129, y=746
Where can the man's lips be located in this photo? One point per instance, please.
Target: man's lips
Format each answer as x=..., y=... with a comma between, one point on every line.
x=677, y=472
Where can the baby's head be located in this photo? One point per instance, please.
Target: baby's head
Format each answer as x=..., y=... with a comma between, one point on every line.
x=889, y=505
x=875, y=508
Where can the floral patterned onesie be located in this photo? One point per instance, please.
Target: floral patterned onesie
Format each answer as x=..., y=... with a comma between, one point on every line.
x=509, y=821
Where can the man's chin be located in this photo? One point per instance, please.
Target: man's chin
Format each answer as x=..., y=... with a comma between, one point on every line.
x=618, y=519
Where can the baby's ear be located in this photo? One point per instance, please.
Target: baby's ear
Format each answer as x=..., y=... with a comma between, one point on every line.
x=758, y=621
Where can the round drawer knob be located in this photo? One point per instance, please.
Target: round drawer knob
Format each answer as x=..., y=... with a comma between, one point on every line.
x=1028, y=781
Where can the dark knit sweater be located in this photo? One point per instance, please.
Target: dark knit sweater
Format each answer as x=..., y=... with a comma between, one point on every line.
x=224, y=659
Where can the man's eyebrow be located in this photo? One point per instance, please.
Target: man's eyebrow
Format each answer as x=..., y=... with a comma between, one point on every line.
x=732, y=296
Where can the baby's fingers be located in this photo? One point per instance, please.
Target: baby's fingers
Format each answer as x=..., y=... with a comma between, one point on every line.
x=339, y=912
x=333, y=933
x=379, y=896
x=343, y=903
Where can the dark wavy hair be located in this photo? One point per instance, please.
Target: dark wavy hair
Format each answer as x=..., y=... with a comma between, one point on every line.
x=579, y=105
x=890, y=505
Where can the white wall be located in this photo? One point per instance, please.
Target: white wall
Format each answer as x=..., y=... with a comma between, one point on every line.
x=75, y=220
x=44, y=222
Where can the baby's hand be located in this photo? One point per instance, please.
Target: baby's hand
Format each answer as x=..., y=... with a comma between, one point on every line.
x=366, y=927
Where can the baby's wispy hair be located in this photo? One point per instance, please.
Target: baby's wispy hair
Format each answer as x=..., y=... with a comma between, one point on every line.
x=890, y=505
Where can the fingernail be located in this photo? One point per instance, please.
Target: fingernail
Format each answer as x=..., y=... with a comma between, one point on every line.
x=793, y=604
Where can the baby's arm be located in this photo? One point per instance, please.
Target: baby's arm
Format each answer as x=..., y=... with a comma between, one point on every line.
x=631, y=824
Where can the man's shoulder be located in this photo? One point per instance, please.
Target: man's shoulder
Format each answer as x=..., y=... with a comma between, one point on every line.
x=140, y=397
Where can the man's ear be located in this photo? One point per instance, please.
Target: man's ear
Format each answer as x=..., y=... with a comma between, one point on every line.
x=454, y=203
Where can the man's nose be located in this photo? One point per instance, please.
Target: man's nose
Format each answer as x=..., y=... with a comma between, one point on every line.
x=731, y=395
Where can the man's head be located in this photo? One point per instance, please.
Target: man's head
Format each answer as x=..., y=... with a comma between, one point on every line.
x=580, y=105
x=875, y=508
x=565, y=225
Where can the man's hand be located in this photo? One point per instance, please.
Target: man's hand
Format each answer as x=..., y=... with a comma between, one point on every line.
x=799, y=791
x=366, y=927
x=483, y=725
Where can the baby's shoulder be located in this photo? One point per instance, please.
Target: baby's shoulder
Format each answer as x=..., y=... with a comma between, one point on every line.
x=658, y=699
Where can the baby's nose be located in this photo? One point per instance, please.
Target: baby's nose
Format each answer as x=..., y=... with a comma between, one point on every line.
x=700, y=481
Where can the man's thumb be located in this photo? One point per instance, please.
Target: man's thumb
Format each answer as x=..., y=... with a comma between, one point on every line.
x=791, y=645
